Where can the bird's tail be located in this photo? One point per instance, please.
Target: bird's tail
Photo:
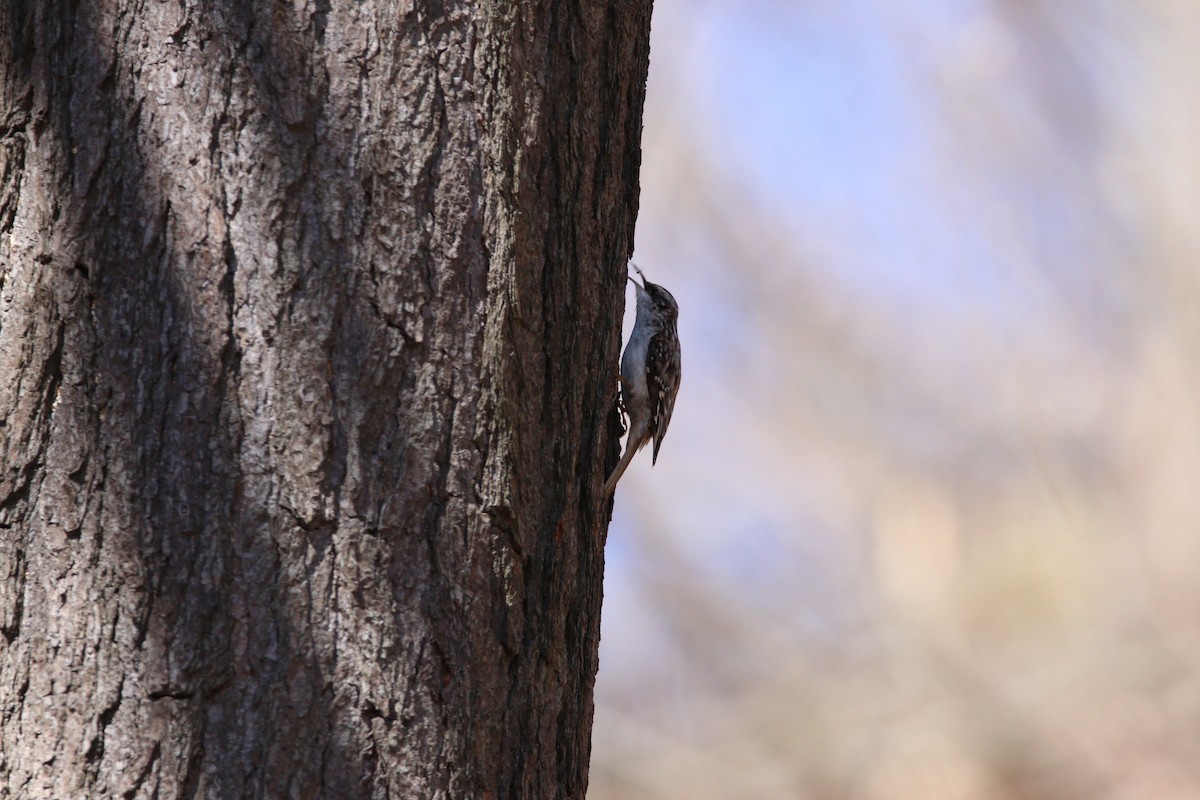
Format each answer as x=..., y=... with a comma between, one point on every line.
x=626, y=457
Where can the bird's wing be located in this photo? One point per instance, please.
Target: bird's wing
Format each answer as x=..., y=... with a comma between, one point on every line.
x=662, y=362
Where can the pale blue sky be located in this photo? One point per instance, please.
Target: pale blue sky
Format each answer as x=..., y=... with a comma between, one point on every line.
x=921, y=168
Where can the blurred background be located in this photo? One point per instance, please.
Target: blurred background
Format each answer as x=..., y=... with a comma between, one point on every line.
x=926, y=522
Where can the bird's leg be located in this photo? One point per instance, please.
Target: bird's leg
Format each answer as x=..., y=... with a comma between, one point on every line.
x=621, y=406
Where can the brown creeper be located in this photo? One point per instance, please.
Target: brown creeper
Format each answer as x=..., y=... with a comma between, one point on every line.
x=649, y=372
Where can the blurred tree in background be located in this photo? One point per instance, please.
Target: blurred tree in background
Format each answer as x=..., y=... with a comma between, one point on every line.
x=925, y=525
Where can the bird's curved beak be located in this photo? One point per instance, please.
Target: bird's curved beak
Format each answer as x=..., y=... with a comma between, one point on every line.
x=639, y=272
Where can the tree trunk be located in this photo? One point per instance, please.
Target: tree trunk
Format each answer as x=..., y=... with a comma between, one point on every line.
x=310, y=324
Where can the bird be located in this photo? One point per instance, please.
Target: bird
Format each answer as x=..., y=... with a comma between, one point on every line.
x=650, y=372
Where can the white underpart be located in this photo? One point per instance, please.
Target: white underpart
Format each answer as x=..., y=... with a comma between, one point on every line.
x=633, y=371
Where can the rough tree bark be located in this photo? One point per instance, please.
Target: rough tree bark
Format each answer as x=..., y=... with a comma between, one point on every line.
x=311, y=314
